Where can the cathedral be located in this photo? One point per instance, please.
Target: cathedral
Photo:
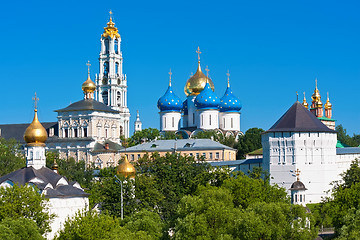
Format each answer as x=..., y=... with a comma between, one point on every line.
x=202, y=109
x=90, y=129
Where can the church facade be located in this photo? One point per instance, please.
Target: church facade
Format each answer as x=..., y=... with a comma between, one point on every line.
x=202, y=109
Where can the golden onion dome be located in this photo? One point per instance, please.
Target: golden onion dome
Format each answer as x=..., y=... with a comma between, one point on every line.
x=196, y=83
x=88, y=86
x=35, y=134
x=111, y=31
x=126, y=168
x=304, y=103
x=328, y=104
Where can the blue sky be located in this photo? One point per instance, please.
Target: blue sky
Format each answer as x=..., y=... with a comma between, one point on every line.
x=271, y=48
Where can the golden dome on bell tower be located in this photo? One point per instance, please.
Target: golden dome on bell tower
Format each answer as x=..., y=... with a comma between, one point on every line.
x=316, y=97
x=111, y=31
x=196, y=83
x=304, y=103
x=35, y=134
x=328, y=104
x=126, y=168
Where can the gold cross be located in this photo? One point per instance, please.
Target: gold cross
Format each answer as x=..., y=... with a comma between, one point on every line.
x=228, y=75
x=198, y=52
x=207, y=71
x=88, y=64
x=170, y=73
x=316, y=83
x=297, y=96
x=297, y=174
x=36, y=99
x=110, y=12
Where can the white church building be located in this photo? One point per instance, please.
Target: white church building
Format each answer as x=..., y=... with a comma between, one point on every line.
x=202, y=109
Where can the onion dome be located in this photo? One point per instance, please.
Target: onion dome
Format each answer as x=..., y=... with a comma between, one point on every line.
x=298, y=185
x=126, y=169
x=111, y=31
x=195, y=84
x=88, y=86
x=316, y=97
x=304, y=103
x=328, y=104
x=207, y=99
x=169, y=102
x=35, y=134
x=229, y=102
x=185, y=107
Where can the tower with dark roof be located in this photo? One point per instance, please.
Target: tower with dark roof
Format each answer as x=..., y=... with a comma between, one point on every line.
x=299, y=140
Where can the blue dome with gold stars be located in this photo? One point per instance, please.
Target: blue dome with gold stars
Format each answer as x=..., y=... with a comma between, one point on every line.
x=207, y=99
x=170, y=102
x=229, y=102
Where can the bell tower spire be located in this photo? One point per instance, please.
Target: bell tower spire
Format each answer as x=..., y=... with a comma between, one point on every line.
x=111, y=82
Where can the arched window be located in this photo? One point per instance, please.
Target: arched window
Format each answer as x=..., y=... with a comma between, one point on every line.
x=116, y=68
x=173, y=123
x=116, y=45
x=121, y=131
x=232, y=122
x=118, y=99
x=106, y=45
x=105, y=97
x=210, y=120
x=106, y=68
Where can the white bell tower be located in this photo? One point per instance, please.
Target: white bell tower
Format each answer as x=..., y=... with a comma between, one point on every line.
x=111, y=83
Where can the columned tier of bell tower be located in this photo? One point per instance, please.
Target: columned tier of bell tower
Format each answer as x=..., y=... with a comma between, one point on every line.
x=111, y=82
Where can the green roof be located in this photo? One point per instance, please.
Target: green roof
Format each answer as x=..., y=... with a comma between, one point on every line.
x=326, y=119
x=341, y=145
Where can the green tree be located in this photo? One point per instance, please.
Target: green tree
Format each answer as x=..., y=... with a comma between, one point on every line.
x=24, y=202
x=351, y=228
x=19, y=228
x=93, y=226
x=11, y=158
x=343, y=137
x=249, y=142
x=71, y=169
x=146, y=134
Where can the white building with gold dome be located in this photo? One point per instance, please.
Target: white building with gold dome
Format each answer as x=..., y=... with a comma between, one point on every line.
x=202, y=110
x=65, y=198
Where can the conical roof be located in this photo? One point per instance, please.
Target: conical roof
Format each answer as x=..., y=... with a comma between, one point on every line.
x=298, y=119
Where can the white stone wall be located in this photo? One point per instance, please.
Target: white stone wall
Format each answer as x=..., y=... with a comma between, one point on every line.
x=35, y=156
x=313, y=153
x=229, y=121
x=192, y=120
x=208, y=119
x=170, y=121
x=64, y=208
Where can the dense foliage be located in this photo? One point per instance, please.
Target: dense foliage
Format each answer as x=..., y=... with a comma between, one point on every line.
x=20, y=229
x=11, y=158
x=24, y=202
x=343, y=137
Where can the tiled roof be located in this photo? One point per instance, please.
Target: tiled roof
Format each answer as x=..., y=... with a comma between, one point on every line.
x=347, y=150
x=87, y=104
x=17, y=131
x=46, y=176
x=299, y=119
x=180, y=145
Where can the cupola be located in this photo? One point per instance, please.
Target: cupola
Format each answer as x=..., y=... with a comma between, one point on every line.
x=169, y=102
x=126, y=169
x=207, y=99
x=229, y=102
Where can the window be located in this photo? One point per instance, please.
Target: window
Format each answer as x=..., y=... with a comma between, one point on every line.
x=138, y=156
x=66, y=133
x=37, y=155
x=105, y=97
x=106, y=133
x=132, y=157
x=106, y=69
x=224, y=122
x=300, y=198
x=31, y=154
x=164, y=122
x=118, y=99
x=85, y=132
x=106, y=45
x=99, y=132
x=193, y=118
x=217, y=155
x=197, y=155
x=232, y=122
x=202, y=120
x=210, y=120
x=173, y=122
x=116, y=68
x=204, y=155
x=116, y=46
x=295, y=198
x=190, y=154
x=210, y=155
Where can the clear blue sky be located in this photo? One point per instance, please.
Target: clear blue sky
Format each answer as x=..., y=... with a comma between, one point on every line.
x=272, y=49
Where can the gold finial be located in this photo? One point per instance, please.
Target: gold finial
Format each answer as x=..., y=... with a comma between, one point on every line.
x=304, y=103
x=110, y=13
x=327, y=96
x=35, y=99
x=207, y=73
x=88, y=65
x=297, y=174
x=170, y=73
x=315, y=83
x=198, y=52
x=228, y=77
x=297, y=96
